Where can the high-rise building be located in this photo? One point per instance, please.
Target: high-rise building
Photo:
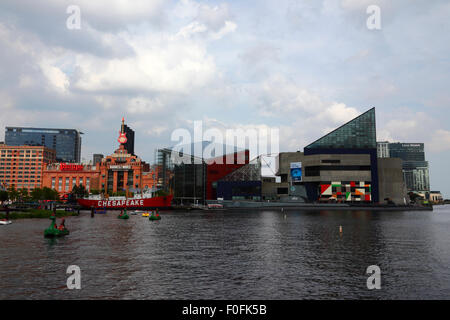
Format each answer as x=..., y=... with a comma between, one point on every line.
x=129, y=145
x=66, y=142
x=22, y=166
x=96, y=158
x=383, y=149
x=415, y=168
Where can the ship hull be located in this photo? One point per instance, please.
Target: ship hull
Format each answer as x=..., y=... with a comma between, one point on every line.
x=147, y=203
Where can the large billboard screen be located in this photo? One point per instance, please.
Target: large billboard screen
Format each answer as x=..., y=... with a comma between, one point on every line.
x=296, y=171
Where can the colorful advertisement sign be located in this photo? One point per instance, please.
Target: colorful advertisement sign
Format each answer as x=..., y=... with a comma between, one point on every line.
x=296, y=171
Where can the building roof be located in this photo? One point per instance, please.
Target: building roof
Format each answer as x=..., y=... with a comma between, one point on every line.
x=358, y=133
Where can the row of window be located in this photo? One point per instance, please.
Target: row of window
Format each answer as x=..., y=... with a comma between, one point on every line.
x=67, y=185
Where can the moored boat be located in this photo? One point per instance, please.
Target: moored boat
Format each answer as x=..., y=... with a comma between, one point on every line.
x=5, y=222
x=115, y=203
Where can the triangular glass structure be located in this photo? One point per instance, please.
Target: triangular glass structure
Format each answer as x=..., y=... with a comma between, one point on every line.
x=249, y=172
x=359, y=133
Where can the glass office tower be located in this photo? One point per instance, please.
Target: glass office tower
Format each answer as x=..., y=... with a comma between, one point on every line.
x=415, y=168
x=66, y=142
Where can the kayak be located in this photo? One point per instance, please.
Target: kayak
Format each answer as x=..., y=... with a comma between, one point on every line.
x=5, y=222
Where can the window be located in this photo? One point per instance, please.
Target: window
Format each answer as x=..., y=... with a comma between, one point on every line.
x=331, y=161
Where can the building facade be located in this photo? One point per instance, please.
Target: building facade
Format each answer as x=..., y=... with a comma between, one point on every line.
x=415, y=167
x=383, y=149
x=23, y=166
x=218, y=167
x=97, y=158
x=342, y=165
x=62, y=177
x=129, y=145
x=66, y=142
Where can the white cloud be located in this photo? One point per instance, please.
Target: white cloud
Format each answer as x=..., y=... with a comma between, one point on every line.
x=162, y=63
x=56, y=78
x=440, y=141
x=143, y=105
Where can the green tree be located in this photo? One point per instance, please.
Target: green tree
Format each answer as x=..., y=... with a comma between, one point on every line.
x=50, y=194
x=79, y=192
x=3, y=196
x=95, y=191
x=37, y=194
x=23, y=194
x=13, y=194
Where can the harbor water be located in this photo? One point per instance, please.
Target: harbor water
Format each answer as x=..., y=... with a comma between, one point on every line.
x=267, y=254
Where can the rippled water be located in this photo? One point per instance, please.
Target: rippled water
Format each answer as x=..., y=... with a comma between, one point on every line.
x=232, y=255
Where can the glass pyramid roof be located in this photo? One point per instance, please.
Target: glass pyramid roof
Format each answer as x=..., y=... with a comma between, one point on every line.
x=358, y=133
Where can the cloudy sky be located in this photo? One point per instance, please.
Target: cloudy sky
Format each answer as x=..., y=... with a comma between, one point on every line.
x=304, y=66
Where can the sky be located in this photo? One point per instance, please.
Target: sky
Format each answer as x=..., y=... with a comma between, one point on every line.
x=303, y=67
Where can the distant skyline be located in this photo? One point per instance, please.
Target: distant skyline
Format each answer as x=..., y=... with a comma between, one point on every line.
x=305, y=67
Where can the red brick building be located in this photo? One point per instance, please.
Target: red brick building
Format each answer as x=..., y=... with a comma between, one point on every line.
x=63, y=177
x=23, y=166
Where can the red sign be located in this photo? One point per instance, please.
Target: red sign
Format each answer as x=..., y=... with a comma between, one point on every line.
x=70, y=167
x=122, y=137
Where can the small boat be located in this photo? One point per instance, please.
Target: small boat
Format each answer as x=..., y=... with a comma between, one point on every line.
x=53, y=231
x=123, y=215
x=135, y=212
x=146, y=214
x=5, y=222
x=100, y=211
x=154, y=217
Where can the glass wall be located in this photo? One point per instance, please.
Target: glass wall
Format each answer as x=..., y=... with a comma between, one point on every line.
x=359, y=133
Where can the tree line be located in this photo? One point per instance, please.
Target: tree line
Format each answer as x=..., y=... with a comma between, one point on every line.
x=24, y=195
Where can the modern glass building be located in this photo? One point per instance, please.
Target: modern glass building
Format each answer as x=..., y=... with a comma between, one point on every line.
x=407, y=151
x=66, y=142
x=359, y=133
x=189, y=182
x=342, y=165
x=415, y=168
